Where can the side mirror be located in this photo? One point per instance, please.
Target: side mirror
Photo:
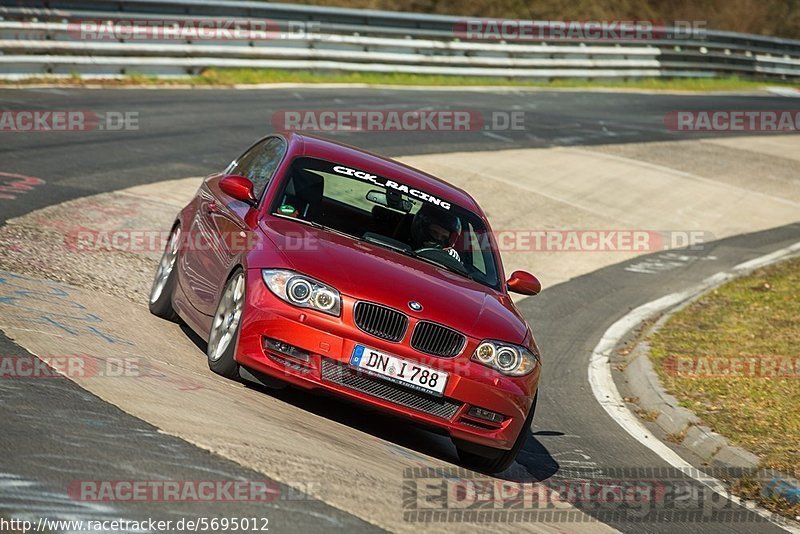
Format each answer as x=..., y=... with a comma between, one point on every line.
x=239, y=188
x=524, y=283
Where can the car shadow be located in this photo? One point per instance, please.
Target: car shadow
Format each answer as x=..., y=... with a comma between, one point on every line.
x=198, y=341
x=534, y=462
x=372, y=421
x=406, y=439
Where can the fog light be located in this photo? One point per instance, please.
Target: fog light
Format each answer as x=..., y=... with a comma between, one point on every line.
x=486, y=415
x=287, y=350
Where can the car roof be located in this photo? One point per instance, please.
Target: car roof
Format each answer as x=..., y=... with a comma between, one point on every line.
x=317, y=147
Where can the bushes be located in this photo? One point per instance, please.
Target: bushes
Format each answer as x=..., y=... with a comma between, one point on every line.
x=768, y=17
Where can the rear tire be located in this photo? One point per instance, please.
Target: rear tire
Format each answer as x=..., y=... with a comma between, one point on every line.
x=160, y=302
x=225, y=326
x=489, y=460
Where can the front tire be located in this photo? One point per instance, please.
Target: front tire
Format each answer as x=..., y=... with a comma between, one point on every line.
x=489, y=460
x=160, y=302
x=224, y=335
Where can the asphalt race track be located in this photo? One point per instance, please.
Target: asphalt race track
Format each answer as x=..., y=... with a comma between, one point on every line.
x=53, y=431
x=191, y=133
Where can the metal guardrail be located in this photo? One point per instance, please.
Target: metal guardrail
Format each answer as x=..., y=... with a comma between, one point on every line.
x=37, y=40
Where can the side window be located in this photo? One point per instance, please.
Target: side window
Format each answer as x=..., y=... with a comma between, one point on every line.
x=259, y=163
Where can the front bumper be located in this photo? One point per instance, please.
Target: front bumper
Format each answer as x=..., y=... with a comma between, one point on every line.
x=330, y=341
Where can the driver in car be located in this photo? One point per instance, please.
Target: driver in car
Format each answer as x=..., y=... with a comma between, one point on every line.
x=433, y=227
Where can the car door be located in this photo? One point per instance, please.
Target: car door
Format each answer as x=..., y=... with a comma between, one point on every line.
x=219, y=231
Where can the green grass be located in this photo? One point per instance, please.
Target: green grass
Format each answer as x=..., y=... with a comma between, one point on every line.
x=757, y=316
x=228, y=77
x=249, y=76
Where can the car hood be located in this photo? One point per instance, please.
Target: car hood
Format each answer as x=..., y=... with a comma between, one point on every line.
x=370, y=272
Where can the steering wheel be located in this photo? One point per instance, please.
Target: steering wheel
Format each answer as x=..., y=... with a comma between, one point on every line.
x=441, y=256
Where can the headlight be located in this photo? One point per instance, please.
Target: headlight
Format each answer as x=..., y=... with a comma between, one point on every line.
x=512, y=360
x=299, y=290
x=302, y=291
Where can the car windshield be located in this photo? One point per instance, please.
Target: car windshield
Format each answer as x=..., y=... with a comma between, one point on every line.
x=388, y=213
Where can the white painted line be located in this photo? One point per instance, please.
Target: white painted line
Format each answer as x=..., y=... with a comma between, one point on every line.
x=766, y=260
x=791, y=92
x=87, y=80
x=607, y=394
x=499, y=137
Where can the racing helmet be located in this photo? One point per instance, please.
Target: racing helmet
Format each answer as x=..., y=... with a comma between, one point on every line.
x=428, y=215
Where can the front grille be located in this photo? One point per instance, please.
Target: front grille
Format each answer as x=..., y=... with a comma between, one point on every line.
x=380, y=321
x=348, y=377
x=438, y=340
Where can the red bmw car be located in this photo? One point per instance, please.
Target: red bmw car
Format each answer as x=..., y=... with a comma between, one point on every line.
x=316, y=264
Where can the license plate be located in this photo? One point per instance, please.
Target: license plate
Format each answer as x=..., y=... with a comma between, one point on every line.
x=399, y=371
